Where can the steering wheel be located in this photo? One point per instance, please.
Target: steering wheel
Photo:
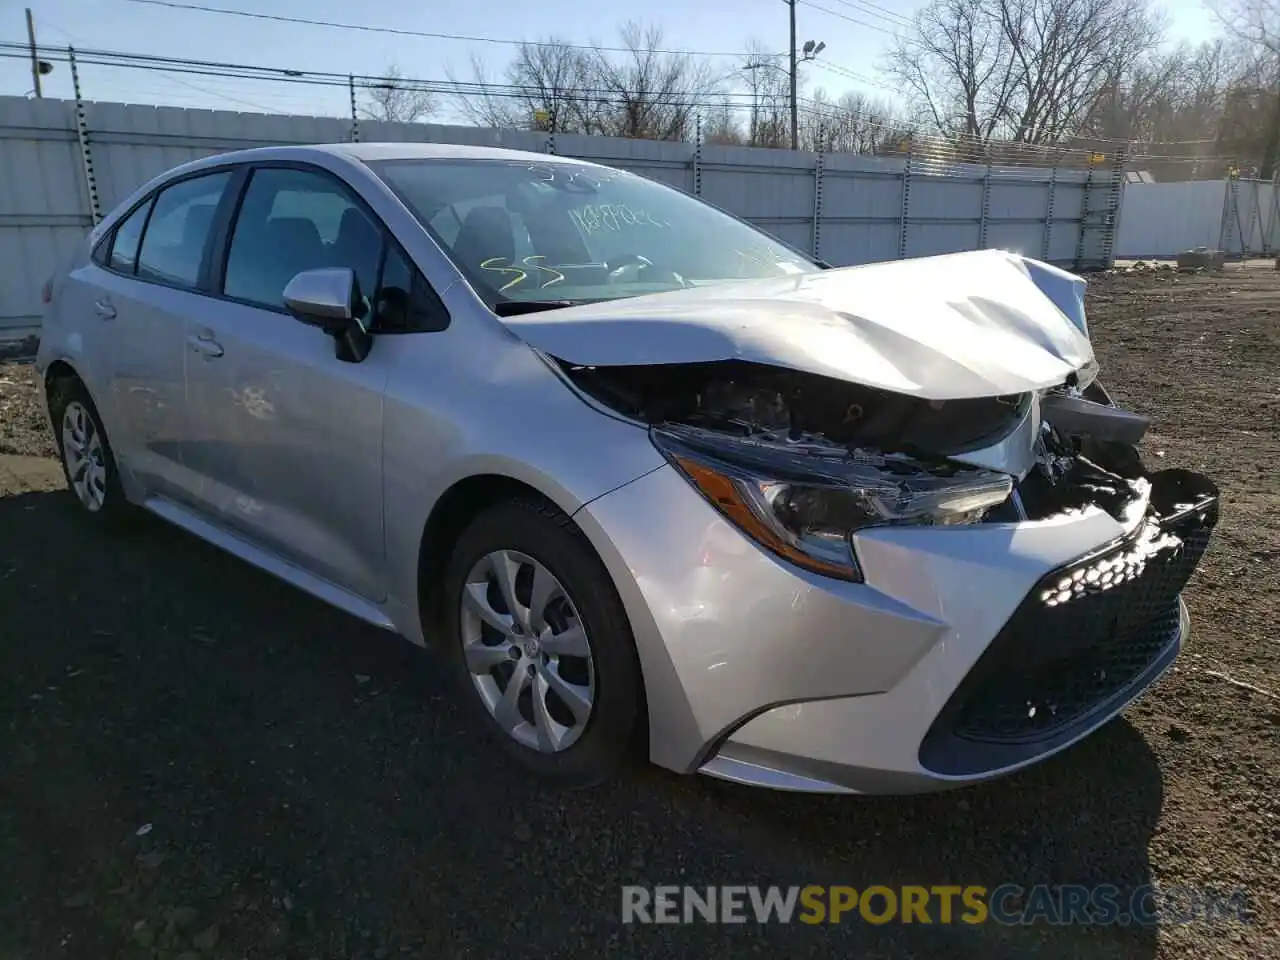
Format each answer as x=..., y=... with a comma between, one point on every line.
x=618, y=269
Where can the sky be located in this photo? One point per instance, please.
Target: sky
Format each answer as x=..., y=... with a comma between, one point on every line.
x=856, y=33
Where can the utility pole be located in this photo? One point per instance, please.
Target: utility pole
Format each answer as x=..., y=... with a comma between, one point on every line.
x=795, y=110
x=35, y=59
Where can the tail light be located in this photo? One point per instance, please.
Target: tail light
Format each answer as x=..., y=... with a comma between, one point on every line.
x=46, y=294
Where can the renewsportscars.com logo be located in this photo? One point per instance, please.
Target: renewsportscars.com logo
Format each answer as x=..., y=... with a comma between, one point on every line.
x=1008, y=904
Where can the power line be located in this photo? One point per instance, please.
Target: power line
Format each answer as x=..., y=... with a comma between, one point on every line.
x=404, y=32
x=209, y=68
x=807, y=3
x=46, y=22
x=849, y=74
x=733, y=101
x=254, y=72
x=875, y=10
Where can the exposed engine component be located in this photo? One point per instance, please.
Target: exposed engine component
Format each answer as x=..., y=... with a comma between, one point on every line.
x=1066, y=481
x=749, y=399
x=1085, y=453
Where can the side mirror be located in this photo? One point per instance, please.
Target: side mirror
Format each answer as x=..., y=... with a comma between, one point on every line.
x=329, y=298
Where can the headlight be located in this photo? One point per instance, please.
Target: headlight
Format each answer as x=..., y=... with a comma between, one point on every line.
x=803, y=501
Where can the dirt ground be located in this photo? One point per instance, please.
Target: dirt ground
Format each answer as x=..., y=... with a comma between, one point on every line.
x=197, y=761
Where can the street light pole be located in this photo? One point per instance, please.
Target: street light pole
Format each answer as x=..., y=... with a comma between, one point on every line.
x=35, y=59
x=795, y=111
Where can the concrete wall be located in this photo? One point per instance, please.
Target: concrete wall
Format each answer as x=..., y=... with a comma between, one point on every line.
x=844, y=208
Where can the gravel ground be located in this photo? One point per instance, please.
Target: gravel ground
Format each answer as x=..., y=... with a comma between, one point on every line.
x=201, y=762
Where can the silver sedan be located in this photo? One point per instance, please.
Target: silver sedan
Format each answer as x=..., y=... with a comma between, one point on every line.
x=651, y=481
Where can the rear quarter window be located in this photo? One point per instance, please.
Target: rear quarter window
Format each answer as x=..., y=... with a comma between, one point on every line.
x=123, y=245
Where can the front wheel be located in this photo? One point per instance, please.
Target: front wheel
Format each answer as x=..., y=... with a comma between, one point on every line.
x=541, y=644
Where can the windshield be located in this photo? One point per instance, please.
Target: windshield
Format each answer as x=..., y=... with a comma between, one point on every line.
x=528, y=232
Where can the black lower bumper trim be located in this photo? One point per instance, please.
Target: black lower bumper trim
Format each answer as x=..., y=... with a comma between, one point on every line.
x=1086, y=640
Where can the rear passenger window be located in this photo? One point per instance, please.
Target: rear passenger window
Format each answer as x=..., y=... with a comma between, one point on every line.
x=296, y=220
x=176, y=235
x=124, y=249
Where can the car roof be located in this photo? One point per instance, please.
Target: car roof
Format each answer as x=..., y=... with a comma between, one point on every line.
x=382, y=151
x=353, y=153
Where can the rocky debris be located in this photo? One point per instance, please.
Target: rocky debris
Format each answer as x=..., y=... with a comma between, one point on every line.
x=1201, y=258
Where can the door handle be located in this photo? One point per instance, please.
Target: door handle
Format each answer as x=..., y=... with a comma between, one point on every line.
x=104, y=309
x=205, y=345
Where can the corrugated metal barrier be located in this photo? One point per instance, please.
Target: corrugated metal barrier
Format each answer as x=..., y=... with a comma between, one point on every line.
x=58, y=157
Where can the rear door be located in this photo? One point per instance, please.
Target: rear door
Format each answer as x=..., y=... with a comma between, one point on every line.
x=148, y=283
x=290, y=448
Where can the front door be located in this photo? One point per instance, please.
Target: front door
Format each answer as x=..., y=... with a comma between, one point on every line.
x=291, y=437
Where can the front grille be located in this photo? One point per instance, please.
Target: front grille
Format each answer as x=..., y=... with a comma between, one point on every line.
x=1079, y=641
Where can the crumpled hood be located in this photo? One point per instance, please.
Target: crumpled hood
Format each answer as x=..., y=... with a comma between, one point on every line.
x=986, y=323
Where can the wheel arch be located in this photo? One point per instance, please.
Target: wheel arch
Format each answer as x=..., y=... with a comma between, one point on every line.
x=453, y=511
x=59, y=373
x=60, y=370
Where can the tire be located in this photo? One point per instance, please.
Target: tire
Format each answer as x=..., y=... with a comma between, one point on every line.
x=88, y=463
x=536, y=539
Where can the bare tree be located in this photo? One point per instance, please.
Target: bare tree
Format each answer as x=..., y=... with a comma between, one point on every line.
x=1257, y=23
x=1249, y=129
x=851, y=123
x=1029, y=71
x=646, y=93
x=642, y=92
x=768, y=88
x=395, y=99
x=545, y=86
x=720, y=124
x=1167, y=96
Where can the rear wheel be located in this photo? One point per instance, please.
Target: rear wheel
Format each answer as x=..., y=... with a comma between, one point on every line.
x=87, y=459
x=541, y=644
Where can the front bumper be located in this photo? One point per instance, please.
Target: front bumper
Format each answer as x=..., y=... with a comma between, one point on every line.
x=949, y=665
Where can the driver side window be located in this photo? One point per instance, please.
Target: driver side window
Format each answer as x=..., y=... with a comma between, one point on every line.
x=294, y=220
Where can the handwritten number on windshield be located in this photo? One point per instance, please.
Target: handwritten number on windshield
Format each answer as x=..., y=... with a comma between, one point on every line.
x=500, y=265
x=556, y=275
x=613, y=217
x=496, y=264
x=571, y=175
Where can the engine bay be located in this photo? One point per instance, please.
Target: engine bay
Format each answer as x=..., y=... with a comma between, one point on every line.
x=769, y=403
x=1085, y=453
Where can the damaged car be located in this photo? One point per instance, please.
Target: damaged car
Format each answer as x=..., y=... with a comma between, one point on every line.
x=650, y=481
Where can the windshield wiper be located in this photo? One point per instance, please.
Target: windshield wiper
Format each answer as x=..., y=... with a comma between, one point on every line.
x=514, y=308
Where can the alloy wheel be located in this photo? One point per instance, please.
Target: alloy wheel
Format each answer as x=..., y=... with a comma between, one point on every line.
x=83, y=456
x=527, y=651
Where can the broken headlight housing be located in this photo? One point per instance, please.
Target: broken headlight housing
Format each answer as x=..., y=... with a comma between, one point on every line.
x=803, y=499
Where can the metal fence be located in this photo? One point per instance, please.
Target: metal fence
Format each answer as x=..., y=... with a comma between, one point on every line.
x=64, y=164
x=1240, y=217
